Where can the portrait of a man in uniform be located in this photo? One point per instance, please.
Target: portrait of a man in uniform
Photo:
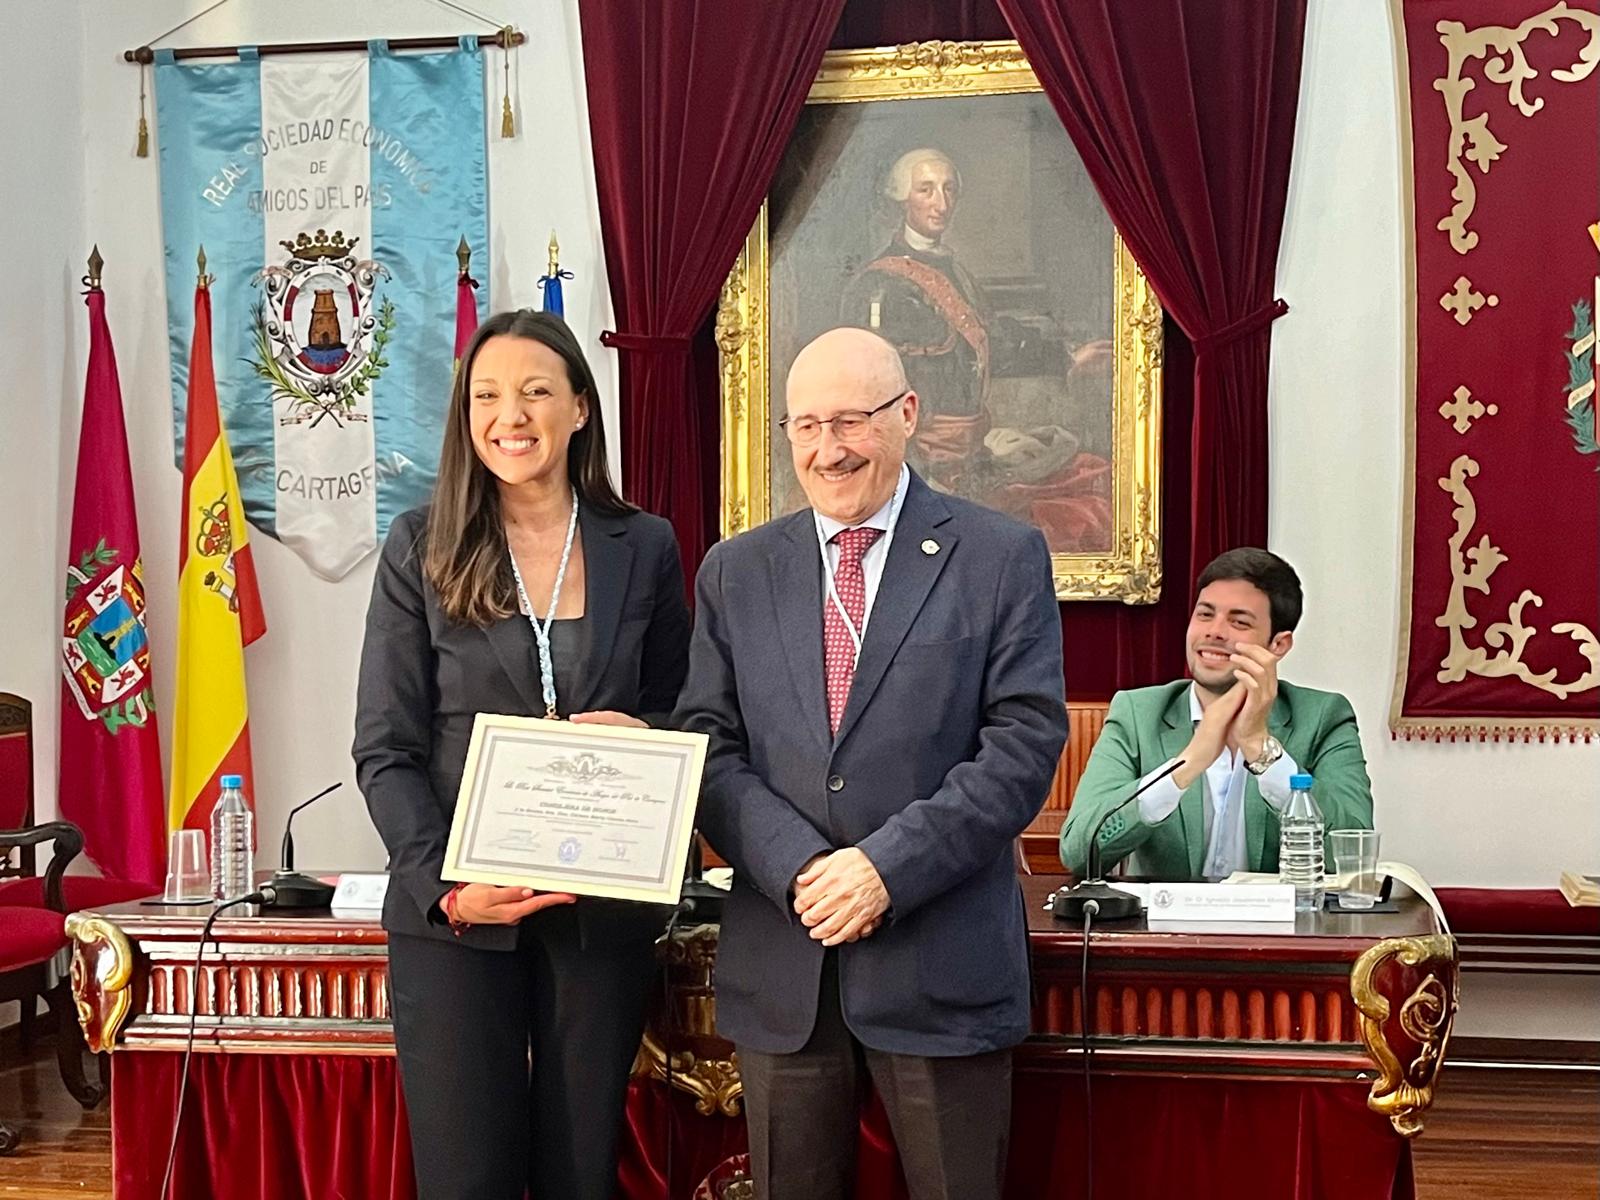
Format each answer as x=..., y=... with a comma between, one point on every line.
x=974, y=244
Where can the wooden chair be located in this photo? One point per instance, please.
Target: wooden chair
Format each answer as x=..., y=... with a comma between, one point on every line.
x=33, y=908
x=30, y=941
x=16, y=781
x=1041, y=840
x=20, y=883
x=16, y=804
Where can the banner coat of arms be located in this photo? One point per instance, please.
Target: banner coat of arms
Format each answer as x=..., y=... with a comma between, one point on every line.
x=330, y=195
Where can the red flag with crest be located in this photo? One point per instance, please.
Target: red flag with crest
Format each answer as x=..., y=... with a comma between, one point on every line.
x=110, y=765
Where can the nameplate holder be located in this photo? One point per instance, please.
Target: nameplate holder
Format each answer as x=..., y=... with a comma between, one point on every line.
x=359, y=893
x=1220, y=902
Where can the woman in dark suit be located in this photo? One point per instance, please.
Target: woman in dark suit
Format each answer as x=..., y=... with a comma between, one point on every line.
x=527, y=587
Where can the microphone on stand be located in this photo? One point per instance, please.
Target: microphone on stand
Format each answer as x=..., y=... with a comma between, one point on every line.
x=289, y=888
x=1108, y=903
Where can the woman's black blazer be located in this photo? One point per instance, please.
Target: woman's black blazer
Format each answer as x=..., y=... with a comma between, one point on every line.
x=424, y=678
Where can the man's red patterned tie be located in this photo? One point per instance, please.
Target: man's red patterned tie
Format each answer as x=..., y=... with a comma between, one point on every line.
x=839, y=652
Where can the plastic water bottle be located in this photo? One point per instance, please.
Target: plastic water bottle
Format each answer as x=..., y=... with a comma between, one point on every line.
x=1300, y=860
x=232, y=839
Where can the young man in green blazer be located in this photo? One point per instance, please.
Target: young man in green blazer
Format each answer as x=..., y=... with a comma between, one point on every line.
x=1240, y=732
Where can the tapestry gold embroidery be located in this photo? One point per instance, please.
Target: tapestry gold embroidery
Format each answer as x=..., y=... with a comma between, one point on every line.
x=1464, y=410
x=1509, y=638
x=1472, y=139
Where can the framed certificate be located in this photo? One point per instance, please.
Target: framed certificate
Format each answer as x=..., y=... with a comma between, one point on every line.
x=597, y=810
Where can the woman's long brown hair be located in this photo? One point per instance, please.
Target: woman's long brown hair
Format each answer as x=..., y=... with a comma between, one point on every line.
x=465, y=557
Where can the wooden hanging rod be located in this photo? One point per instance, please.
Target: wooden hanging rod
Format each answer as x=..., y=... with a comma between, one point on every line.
x=504, y=39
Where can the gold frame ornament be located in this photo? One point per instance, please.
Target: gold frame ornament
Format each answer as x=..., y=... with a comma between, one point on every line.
x=1403, y=1091
x=102, y=978
x=1131, y=570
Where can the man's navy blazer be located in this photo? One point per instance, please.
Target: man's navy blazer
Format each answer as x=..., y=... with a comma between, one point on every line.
x=945, y=752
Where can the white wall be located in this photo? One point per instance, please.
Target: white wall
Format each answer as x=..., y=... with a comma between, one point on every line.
x=43, y=345
x=1506, y=814
x=1485, y=814
x=73, y=123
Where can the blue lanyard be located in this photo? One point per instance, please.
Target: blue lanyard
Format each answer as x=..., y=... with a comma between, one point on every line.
x=541, y=633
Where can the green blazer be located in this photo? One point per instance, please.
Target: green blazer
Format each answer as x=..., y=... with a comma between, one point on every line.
x=1147, y=726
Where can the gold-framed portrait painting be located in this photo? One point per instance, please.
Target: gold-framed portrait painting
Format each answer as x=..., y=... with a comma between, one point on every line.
x=930, y=193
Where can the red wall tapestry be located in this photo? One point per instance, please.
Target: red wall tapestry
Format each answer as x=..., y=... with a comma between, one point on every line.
x=1502, y=572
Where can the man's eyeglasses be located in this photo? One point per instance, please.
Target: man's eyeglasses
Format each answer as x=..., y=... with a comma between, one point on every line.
x=850, y=426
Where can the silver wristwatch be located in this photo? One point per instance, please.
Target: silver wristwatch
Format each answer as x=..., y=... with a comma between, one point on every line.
x=1271, y=752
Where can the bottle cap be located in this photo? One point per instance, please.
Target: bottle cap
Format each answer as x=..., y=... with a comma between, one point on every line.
x=1299, y=782
x=237, y=781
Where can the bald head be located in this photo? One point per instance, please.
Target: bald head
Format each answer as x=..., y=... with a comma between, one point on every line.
x=847, y=356
x=847, y=373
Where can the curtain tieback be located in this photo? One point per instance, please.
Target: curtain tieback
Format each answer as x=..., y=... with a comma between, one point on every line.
x=645, y=343
x=1243, y=327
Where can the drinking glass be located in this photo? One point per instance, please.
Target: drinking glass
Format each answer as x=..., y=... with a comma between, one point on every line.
x=1355, y=860
x=188, y=876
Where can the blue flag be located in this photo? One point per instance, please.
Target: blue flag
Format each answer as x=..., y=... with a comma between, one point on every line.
x=554, y=301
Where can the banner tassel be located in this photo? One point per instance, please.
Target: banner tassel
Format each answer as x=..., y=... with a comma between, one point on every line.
x=508, y=121
x=142, y=150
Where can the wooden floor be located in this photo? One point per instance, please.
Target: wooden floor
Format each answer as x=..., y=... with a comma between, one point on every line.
x=1492, y=1134
x=65, y=1151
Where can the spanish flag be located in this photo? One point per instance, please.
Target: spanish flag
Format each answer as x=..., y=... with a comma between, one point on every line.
x=219, y=607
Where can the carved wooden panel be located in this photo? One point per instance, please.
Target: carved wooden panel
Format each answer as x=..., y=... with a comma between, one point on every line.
x=333, y=989
x=1085, y=720
x=1319, y=1012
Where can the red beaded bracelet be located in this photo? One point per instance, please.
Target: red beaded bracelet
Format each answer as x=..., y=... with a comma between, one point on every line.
x=457, y=925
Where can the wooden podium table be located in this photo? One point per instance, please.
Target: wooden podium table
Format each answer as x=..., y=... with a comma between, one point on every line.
x=1227, y=1061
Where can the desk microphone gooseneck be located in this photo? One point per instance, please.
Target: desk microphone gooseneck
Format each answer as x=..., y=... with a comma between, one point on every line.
x=289, y=888
x=1110, y=904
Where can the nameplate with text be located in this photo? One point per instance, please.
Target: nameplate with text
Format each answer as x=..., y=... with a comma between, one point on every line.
x=1219, y=902
x=359, y=893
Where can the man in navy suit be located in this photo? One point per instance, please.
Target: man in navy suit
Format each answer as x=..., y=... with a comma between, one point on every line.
x=880, y=678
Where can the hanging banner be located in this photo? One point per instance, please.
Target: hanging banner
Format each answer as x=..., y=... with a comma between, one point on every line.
x=1502, y=580
x=330, y=194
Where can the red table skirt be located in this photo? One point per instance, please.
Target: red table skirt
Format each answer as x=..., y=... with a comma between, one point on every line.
x=268, y=1127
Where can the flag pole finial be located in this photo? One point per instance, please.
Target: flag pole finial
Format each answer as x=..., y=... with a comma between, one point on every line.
x=92, y=279
x=464, y=256
x=555, y=254
x=200, y=260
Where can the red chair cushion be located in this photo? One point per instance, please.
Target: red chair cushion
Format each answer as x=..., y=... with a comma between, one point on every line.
x=1526, y=911
x=29, y=936
x=80, y=891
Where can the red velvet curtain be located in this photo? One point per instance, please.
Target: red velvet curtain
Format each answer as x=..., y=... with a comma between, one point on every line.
x=690, y=106
x=868, y=23
x=1183, y=112
x=299, y=1127
x=261, y=1127
x=1202, y=1139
